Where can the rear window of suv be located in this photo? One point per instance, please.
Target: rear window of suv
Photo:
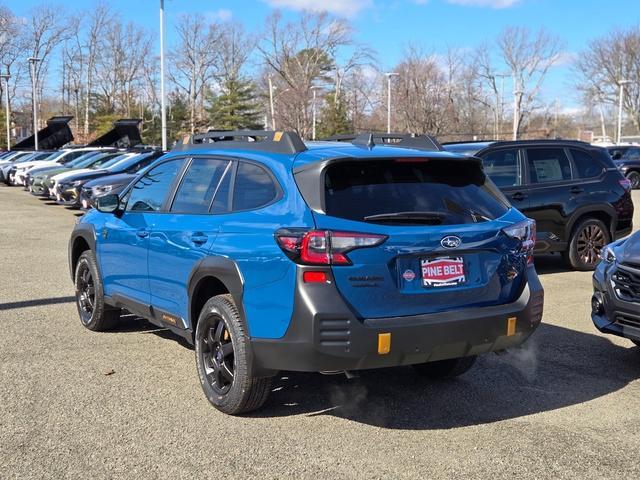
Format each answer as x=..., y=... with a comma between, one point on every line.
x=412, y=192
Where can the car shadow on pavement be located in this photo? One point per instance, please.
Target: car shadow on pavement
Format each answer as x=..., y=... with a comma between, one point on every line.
x=556, y=368
x=130, y=323
x=551, y=263
x=38, y=302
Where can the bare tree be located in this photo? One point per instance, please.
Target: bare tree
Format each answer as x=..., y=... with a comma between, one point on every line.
x=528, y=56
x=605, y=63
x=193, y=61
x=300, y=54
x=46, y=28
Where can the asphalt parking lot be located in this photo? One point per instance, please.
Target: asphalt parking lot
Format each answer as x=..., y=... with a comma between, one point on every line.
x=128, y=404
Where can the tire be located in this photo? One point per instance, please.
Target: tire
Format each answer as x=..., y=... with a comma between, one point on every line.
x=222, y=349
x=634, y=178
x=442, y=369
x=94, y=313
x=587, y=239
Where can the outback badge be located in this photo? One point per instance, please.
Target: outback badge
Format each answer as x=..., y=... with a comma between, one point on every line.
x=450, y=241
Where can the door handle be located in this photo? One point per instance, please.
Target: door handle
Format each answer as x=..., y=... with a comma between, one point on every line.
x=519, y=196
x=142, y=233
x=576, y=190
x=199, y=238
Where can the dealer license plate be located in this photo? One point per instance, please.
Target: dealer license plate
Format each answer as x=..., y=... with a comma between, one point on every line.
x=442, y=271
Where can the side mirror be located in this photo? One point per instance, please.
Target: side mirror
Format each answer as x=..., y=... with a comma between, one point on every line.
x=108, y=203
x=616, y=155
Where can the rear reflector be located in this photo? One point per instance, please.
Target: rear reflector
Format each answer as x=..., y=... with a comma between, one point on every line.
x=511, y=326
x=384, y=343
x=314, y=277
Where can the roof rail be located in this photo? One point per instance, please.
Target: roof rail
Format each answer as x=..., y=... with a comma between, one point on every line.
x=405, y=140
x=258, y=140
x=521, y=141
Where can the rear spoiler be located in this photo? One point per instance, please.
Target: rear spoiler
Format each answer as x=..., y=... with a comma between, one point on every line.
x=124, y=134
x=55, y=135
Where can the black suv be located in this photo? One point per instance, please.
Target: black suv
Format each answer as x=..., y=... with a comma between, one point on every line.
x=573, y=190
x=627, y=159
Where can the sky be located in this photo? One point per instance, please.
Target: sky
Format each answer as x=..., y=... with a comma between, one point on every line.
x=391, y=26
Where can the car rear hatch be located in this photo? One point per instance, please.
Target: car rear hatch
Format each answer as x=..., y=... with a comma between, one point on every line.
x=445, y=236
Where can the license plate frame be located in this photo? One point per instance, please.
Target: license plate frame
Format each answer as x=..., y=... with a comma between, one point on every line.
x=445, y=271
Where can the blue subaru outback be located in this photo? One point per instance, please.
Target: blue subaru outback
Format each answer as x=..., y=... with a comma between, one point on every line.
x=270, y=254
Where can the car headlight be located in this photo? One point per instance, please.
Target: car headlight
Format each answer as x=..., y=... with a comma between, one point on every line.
x=102, y=189
x=608, y=255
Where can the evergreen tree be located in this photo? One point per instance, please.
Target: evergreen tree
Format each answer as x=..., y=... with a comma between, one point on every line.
x=334, y=117
x=236, y=107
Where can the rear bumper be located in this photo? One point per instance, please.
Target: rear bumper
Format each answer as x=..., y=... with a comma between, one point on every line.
x=325, y=335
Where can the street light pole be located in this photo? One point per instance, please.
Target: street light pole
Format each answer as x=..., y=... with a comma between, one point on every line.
x=271, y=105
x=389, y=75
x=32, y=64
x=163, y=106
x=313, y=109
x=621, y=83
x=6, y=78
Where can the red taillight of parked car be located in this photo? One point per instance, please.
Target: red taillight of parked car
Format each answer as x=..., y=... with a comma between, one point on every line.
x=324, y=247
x=525, y=232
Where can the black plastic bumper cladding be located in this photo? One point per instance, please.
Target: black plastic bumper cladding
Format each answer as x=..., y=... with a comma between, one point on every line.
x=325, y=334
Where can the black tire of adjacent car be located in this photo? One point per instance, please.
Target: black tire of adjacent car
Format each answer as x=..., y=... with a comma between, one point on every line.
x=589, y=234
x=442, y=369
x=94, y=313
x=634, y=178
x=221, y=342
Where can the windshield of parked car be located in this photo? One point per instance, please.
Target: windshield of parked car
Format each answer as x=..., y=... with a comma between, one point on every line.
x=105, y=160
x=416, y=191
x=83, y=160
x=114, y=162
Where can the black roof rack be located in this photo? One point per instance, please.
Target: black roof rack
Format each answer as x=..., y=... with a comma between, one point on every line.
x=124, y=134
x=55, y=135
x=522, y=142
x=258, y=140
x=405, y=140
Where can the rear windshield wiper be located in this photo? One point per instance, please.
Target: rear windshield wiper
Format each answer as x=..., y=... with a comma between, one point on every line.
x=432, y=218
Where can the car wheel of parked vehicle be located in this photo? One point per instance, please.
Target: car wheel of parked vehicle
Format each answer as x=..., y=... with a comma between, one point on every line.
x=445, y=368
x=222, y=352
x=94, y=313
x=586, y=241
x=634, y=178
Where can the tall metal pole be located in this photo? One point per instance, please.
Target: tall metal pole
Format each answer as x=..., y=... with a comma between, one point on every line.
x=389, y=75
x=622, y=83
x=6, y=78
x=271, y=105
x=163, y=107
x=313, y=134
x=34, y=99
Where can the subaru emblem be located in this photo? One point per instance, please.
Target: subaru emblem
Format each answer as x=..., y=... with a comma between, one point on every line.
x=450, y=241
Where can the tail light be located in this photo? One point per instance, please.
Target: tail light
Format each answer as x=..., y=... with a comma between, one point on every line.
x=324, y=247
x=625, y=183
x=525, y=232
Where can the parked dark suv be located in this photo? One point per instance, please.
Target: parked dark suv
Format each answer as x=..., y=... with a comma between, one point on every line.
x=627, y=159
x=578, y=198
x=271, y=254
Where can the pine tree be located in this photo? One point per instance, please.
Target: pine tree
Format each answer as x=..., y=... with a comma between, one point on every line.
x=236, y=107
x=334, y=117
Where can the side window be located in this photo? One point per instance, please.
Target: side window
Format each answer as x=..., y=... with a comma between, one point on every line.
x=586, y=165
x=503, y=167
x=253, y=188
x=633, y=154
x=148, y=193
x=548, y=165
x=221, y=200
x=136, y=167
x=199, y=185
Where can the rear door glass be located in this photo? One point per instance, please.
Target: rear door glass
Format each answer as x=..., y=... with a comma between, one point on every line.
x=254, y=187
x=432, y=192
x=199, y=185
x=548, y=165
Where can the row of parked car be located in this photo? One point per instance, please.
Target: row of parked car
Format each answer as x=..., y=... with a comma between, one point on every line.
x=269, y=253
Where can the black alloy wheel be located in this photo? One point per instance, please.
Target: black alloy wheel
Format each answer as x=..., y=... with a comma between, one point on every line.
x=217, y=355
x=85, y=293
x=591, y=240
x=634, y=178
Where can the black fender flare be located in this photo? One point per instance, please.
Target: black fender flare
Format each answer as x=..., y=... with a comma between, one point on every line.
x=587, y=209
x=87, y=232
x=226, y=271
